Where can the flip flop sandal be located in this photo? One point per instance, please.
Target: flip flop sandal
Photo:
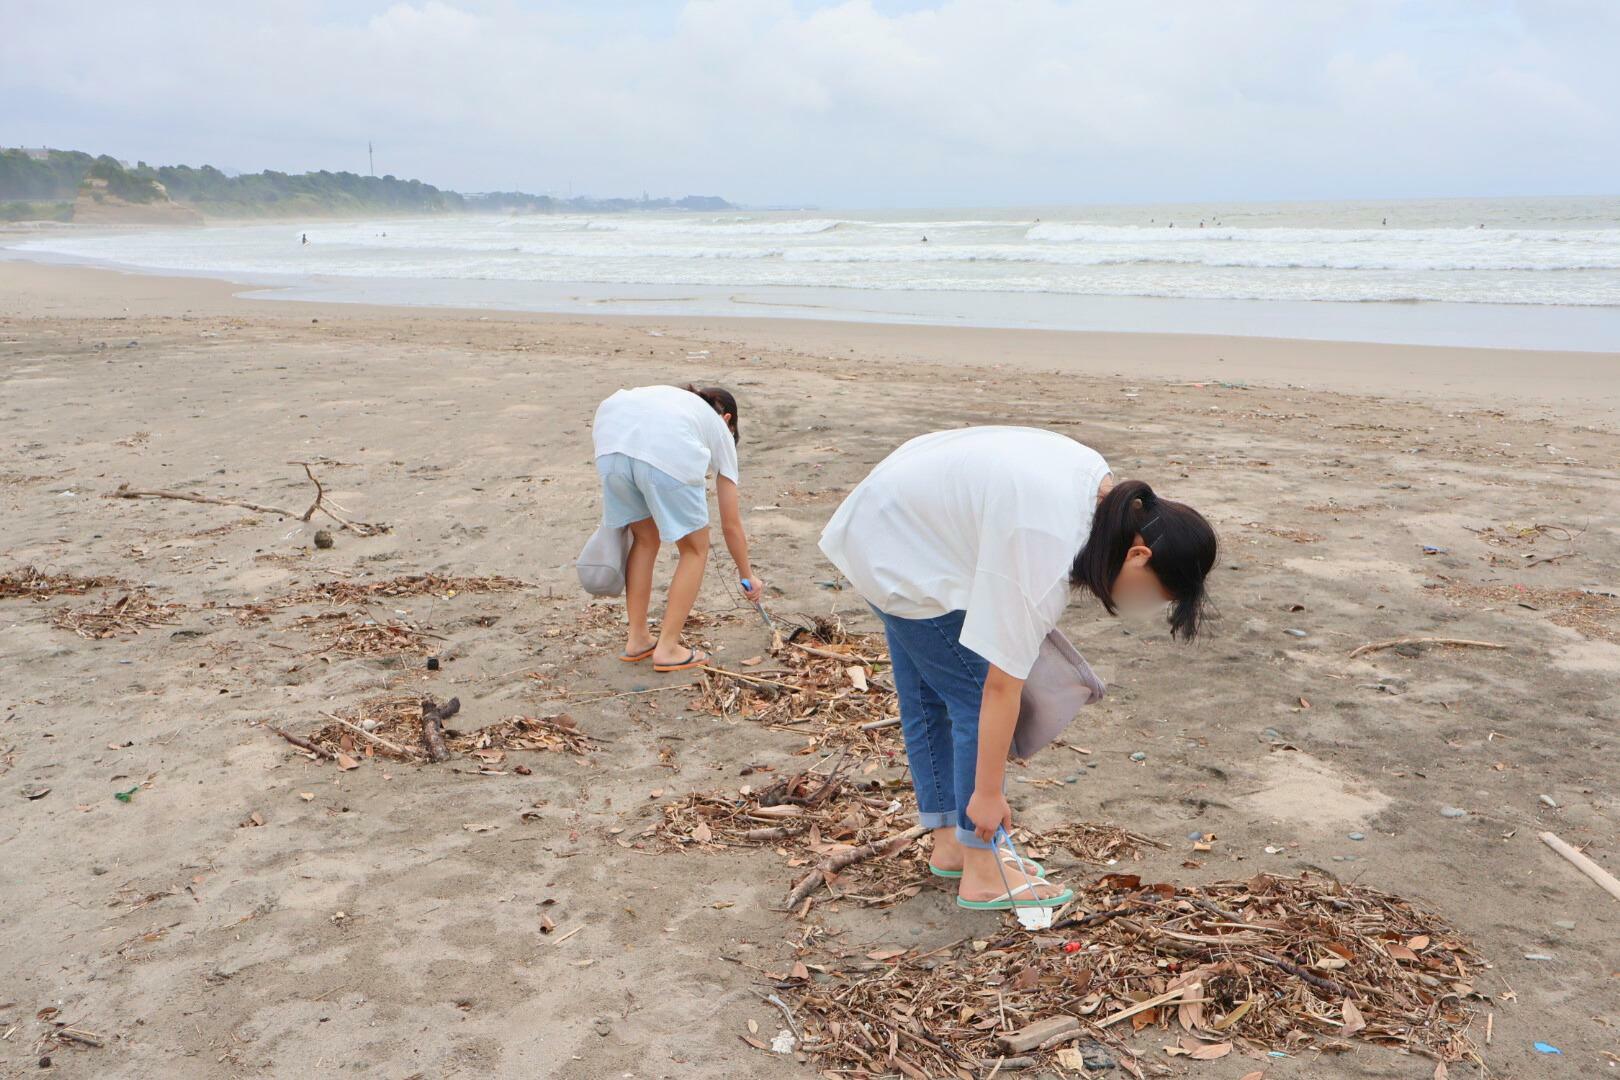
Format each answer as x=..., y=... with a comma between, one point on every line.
x=1006, y=901
x=638, y=657
x=691, y=661
x=1008, y=860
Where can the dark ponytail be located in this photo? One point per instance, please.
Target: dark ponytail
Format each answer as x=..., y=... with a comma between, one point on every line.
x=721, y=401
x=1182, y=542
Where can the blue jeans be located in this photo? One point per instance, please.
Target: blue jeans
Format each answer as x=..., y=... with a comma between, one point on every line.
x=940, y=682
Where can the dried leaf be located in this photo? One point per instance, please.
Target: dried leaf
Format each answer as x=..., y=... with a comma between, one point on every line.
x=1211, y=1052
x=1400, y=952
x=703, y=834
x=1256, y=1075
x=885, y=954
x=345, y=762
x=1419, y=943
x=1353, y=1020
x=857, y=676
x=753, y=661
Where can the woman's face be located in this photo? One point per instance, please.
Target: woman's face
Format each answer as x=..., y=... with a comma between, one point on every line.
x=1137, y=587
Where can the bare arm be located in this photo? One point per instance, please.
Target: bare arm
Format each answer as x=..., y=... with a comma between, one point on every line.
x=998, y=715
x=731, y=526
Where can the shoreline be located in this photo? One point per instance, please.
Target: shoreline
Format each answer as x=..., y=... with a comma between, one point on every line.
x=1582, y=387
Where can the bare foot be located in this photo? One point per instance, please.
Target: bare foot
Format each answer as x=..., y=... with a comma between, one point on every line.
x=948, y=854
x=983, y=880
x=680, y=657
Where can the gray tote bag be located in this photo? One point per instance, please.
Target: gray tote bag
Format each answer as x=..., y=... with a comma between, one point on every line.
x=1059, y=685
x=601, y=561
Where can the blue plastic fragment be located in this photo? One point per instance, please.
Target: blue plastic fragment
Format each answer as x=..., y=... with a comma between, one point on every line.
x=1547, y=1048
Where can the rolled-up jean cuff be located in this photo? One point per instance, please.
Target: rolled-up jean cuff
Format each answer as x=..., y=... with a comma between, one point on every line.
x=969, y=838
x=936, y=821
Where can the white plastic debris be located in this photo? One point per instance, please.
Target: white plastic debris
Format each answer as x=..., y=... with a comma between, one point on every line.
x=784, y=1043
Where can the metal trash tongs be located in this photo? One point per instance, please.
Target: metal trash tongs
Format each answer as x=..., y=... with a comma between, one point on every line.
x=1031, y=916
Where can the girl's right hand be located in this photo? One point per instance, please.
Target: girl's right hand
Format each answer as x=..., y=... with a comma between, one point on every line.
x=753, y=588
x=988, y=810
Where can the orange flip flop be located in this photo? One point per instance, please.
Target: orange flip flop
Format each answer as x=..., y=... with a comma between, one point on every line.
x=691, y=661
x=638, y=657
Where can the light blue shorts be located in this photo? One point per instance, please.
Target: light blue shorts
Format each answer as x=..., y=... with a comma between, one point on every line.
x=633, y=490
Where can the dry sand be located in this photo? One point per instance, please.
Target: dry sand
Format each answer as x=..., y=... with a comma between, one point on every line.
x=362, y=930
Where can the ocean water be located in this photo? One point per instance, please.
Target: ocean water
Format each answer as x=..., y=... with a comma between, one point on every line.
x=1550, y=253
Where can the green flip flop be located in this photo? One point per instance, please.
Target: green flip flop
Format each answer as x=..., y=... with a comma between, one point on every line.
x=1040, y=871
x=1005, y=901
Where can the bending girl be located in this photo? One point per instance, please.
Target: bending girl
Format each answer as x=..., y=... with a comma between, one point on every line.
x=655, y=446
x=966, y=543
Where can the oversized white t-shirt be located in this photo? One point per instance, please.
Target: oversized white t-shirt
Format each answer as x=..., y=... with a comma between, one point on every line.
x=985, y=520
x=668, y=428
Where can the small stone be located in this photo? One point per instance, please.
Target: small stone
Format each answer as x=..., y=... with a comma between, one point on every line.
x=1195, y=835
x=1358, y=836
x=368, y=724
x=45, y=1062
x=98, y=870
x=603, y=1028
x=1564, y=924
x=323, y=539
x=1273, y=734
x=1338, y=858
x=133, y=344
x=1549, y=801
x=1452, y=812
x=1296, y=633
x=433, y=663
x=1139, y=756
x=1072, y=778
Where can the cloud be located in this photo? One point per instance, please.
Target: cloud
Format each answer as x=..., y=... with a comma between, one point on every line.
x=851, y=102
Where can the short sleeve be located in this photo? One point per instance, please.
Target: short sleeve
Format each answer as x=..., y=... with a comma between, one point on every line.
x=1018, y=594
x=723, y=452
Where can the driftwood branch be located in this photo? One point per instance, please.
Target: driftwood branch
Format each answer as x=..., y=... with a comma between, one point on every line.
x=830, y=866
x=433, y=717
x=1036, y=1035
x=1604, y=880
x=360, y=528
x=1375, y=646
x=305, y=744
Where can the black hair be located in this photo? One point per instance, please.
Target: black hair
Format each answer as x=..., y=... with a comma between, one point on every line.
x=1182, y=542
x=721, y=401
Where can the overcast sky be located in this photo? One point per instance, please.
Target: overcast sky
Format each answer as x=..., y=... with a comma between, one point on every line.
x=851, y=103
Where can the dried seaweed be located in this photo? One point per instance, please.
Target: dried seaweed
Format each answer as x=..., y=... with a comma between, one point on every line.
x=1088, y=841
x=360, y=592
x=1273, y=963
x=38, y=585
x=129, y=614
x=817, y=814
x=1589, y=613
x=353, y=633
x=827, y=683
x=397, y=719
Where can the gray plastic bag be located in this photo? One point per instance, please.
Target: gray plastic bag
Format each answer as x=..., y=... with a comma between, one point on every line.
x=1059, y=685
x=601, y=561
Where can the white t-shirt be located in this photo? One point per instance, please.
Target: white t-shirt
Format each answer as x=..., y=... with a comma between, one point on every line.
x=668, y=428
x=985, y=520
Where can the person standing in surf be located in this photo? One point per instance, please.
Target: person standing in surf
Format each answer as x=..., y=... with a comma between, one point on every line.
x=966, y=544
x=655, y=447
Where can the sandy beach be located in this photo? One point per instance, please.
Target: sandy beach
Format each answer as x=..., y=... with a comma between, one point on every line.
x=249, y=911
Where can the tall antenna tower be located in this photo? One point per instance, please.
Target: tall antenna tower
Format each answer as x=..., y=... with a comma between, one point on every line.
x=371, y=159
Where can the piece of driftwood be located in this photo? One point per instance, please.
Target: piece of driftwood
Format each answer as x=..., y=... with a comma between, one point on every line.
x=1374, y=646
x=1605, y=880
x=887, y=721
x=433, y=717
x=361, y=528
x=831, y=865
x=828, y=654
x=1037, y=1034
x=305, y=744
x=1189, y=991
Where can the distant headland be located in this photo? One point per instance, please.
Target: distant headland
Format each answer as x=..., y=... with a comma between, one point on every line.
x=70, y=185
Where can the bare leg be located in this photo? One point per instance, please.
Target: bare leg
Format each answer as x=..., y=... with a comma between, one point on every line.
x=638, y=577
x=683, y=590
x=949, y=854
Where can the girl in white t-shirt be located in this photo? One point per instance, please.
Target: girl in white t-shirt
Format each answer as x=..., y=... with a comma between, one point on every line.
x=966, y=543
x=655, y=447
